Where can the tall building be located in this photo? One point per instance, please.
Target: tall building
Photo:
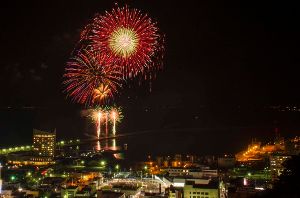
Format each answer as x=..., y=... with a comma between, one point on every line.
x=44, y=143
x=43, y=150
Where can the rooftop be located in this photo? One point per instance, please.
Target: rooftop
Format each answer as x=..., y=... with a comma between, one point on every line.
x=211, y=185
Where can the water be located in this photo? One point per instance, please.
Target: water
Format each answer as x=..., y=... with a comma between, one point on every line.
x=186, y=141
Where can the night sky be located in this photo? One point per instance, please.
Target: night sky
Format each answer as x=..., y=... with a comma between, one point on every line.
x=225, y=64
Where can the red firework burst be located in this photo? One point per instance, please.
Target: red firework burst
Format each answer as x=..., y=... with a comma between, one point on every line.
x=128, y=37
x=91, y=77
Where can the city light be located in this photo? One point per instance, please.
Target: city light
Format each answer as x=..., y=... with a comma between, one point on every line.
x=208, y=127
x=245, y=182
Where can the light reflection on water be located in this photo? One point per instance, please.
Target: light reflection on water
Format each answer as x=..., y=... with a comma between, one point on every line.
x=160, y=143
x=110, y=144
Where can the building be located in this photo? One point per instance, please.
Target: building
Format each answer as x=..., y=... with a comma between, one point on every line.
x=129, y=189
x=110, y=194
x=175, y=192
x=43, y=147
x=226, y=162
x=178, y=157
x=69, y=192
x=42, y=153
x=192, y=172
x=276, y=164
x=193, y=190
x=256, y=151
x=87, y=191
x=292, y=146
x=44, y=143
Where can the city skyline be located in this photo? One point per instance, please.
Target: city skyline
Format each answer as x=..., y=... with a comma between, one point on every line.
x=140, y=98
x=229, y=60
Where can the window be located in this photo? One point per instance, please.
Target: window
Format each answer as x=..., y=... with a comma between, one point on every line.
x=202, y=193
x=206, y=193
x=198, y=192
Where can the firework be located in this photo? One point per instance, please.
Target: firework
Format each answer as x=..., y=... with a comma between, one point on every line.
x=103, y=115
x=91, y=78
x=99, y=116
x=130, y=39
x=115, y=116
x=101, y=93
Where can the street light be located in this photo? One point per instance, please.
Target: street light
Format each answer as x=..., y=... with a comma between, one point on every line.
x=145, y=168
x=12, y=178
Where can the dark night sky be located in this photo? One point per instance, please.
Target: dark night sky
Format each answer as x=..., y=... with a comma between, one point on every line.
x=225, y=61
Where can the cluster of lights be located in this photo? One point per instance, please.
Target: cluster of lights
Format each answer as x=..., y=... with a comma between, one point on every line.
x=14, y=149
x=256, y=151
x=251, y=150
x=63, y=142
